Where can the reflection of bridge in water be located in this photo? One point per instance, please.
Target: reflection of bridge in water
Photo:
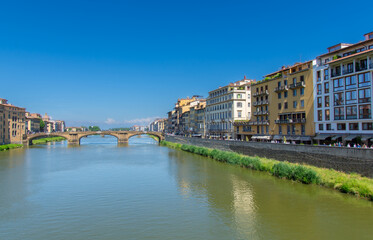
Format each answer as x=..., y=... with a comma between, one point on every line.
x=73, y=138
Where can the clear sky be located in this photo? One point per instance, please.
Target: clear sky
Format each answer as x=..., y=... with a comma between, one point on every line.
x=119, y=63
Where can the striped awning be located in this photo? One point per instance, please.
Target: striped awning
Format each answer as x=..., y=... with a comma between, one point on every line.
x=351, y=137
x=336, y=137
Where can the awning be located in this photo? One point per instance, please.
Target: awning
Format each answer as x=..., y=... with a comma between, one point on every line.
x=196, y=135
x=261, y=137
x=351, y=137
x=364, y=138
x=336, y=137
x=305, y=139
x=278, y=137
x=297, y=138
x=321, y=137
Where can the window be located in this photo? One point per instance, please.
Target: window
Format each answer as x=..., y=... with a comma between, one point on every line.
x=368, y=126
x=364, y=80
x=303, y=130
x=288, y=129
x=338, y=99
x=239, y=114
x=341, y=126
x=279, y=96
x=248, y=104
x=364, y=95
x=294, y=81
x=285, y=94
x=326, y=72
x=239, y=104
x=327, y=101
x=293, y=129
x=328, y=127
x=319, y=115
x=350, y=82
x=295, y=104
x=365, y=112
x=351, y=97
x=319, y=102
x=351, y=112
x=338, y=84
x=321, y=127
x=285, y=105
x=239, y=96
x=326, y=87
x=302, y=103
x=353, y=126
x=327, y=115
x=280, y=129
x=279, y=106
x=319, y=89
x=301, y=91
x=279, y=84
x=285, y=82
x=295, y=92
x=339, y=113
x=318, y=76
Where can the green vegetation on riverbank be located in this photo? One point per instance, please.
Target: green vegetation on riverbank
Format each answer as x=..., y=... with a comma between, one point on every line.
x=10, y=146
x=50, y=139
x=347, y=183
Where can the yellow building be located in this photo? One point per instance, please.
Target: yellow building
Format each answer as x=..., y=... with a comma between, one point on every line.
x=282, y=106
x=13, y=123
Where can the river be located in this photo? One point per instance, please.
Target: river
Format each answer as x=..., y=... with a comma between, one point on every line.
x=143, y=191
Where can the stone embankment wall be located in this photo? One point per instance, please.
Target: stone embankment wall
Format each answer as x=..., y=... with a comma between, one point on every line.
x=343, y=159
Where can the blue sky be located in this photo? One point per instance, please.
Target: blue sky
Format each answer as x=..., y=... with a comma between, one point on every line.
x=119, y=63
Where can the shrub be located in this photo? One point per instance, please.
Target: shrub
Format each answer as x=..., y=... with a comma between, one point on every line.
x=282, y=170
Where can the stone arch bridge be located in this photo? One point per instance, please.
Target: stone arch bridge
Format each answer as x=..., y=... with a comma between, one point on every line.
x=73, y=138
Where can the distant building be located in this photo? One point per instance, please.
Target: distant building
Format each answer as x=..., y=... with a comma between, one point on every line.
x=158, y=125
x=32, y=122
x=13, y=123
x=138, y=128
x=225, y=105
x=76, y=129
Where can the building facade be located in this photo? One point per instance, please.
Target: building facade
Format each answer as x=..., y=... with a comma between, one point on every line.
x=32, y=123
x=226, y=105
x=343, y=88
x=13, y=123
x=282, y=106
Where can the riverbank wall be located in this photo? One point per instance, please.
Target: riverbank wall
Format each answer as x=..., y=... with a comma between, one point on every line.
x=339, y=158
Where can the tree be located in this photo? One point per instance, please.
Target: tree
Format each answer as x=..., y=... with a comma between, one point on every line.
x=42, y=125
x=94, y=128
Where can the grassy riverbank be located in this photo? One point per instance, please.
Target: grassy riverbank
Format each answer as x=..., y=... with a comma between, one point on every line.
x=10, y=146
x=50, y=139
x=347, y=183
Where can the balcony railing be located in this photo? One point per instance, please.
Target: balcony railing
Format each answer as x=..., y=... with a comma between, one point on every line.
x=348, y=71
x=282, y=88
x=264, y=122
x=298, y=84
x=260, y=113
x=336, y=74
x=361, y=68
x=264, y=102
x=260, y=93
x=297, y=120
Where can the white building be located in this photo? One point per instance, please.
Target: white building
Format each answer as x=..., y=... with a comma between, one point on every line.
x=342, y=92
x=226, y=105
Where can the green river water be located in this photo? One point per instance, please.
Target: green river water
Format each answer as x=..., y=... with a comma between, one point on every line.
x=143, y=191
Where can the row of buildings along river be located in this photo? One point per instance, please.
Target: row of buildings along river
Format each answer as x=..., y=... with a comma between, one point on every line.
x=324, y=100
x=16, y=122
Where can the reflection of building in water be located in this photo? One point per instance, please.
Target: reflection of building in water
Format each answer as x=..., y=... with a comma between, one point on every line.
x=227, y=196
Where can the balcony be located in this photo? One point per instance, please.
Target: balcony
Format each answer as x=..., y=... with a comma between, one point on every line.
x=256, y=94
x=260, y=113
x=282, y=88
x=297, y=85
x=361, y=68
x=258, y=103
x=348, y=71
x=264, y=122
x=336, y=74
x=286, y=121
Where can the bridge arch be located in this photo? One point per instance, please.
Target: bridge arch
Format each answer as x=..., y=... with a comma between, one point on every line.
x=98, y=133
x=157, y=135
x=43, y=135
